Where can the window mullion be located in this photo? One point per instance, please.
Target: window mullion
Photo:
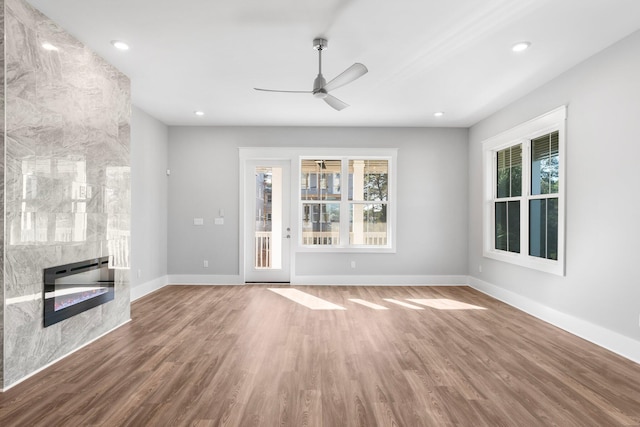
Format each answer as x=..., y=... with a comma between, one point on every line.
x=546, y=229
x=526, y=196
x=494, y=198
x=544, y=196
x=494, y=178
x=345, y=208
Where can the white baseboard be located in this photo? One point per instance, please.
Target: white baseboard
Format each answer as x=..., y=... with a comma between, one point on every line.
x=380, y=280
x=603, y=337
x=196, y=279
x=148, y=287
x=400, y=280
x=26, y=377
x=204, y=279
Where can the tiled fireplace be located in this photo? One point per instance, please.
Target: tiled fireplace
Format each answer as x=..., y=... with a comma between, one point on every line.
x=66, y=183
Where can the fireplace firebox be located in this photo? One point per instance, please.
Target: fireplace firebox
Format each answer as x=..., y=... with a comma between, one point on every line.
x=73, y=288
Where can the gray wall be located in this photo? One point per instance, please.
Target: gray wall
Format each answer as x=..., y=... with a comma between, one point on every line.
x=603, y=210
x=149, y=195
x=432, y=198
x=66, y=184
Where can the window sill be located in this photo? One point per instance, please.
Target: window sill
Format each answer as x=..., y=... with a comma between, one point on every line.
x=545, y=265
x=339, y=249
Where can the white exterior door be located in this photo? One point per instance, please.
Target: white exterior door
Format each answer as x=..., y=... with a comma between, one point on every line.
x=267, y=226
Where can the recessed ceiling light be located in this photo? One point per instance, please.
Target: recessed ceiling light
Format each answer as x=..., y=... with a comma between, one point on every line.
x=48, y=46
x=120, y=45
x=438, y=113
x=199, y=113
x=520, y=46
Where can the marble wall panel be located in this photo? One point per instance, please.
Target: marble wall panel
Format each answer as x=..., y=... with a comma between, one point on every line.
x=2, y=187
x=67, y=184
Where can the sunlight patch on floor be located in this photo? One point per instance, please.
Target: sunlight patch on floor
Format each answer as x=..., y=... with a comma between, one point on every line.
x=368, y=304
x=403, y=304
x=445, y=304
x=308, y=300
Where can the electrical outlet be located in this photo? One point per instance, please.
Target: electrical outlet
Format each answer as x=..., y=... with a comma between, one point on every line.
x=139, y=273
x=206, y=263
x=479, y=268
x=353, y=264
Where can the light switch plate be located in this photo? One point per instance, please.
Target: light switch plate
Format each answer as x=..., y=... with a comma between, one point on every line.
x=198, y=221
x=219, y=221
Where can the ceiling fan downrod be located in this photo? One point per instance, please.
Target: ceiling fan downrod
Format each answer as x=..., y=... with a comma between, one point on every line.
x=319, y=82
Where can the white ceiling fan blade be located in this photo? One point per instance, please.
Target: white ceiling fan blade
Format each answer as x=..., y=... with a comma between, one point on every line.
x=335, y=102
x=356, y=71
x=282, y=91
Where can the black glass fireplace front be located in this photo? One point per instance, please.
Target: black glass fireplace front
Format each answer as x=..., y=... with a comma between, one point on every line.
x=73, y=288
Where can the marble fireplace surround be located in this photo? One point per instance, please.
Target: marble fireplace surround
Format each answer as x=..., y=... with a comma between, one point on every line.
x=66, y=182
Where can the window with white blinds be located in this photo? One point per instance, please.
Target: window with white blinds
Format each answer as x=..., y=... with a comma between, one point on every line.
x=524, y=187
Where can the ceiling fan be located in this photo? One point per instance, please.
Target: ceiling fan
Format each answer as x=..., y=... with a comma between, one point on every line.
x=321, y=88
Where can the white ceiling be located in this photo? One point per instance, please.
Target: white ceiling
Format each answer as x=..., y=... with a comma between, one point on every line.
x=423, y=56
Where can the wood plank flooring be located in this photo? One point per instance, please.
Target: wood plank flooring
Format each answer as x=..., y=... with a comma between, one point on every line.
x=246, y=356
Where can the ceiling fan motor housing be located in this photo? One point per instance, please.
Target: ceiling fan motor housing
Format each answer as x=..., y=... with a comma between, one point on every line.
x=318, y=87
x=320, y=44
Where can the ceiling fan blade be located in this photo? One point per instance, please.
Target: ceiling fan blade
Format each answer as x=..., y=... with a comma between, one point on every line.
x=335, y=102
x=283, y=91
x=357, y=70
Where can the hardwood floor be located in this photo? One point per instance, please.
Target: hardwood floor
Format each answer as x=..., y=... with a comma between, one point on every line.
x=244, y=356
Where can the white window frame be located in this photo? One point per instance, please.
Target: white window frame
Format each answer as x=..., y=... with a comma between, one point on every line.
x=389, y=154
x=552, y=121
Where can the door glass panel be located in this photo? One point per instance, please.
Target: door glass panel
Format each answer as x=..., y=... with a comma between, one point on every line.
x=268, y=218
